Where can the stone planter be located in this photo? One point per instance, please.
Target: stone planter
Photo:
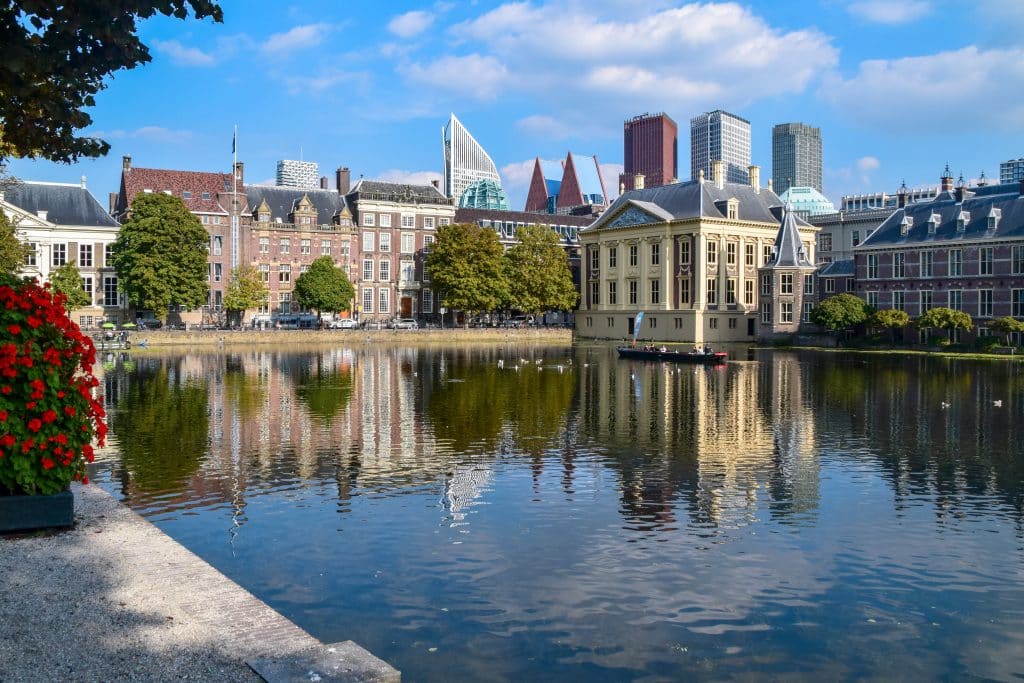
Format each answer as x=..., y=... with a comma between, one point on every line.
x=24, y=513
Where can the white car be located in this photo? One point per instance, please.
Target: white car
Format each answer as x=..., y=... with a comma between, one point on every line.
x=406, y=324
x=343, y=324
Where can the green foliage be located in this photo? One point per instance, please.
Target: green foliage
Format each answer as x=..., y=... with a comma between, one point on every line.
x=841, y=312
x=57, y=56
x=466, y=266
x=160, y=255
x=1006, y=326
x=890, y=318
x=324, y=288
x=68, y=281
x=537, y=273
x=945, y=318
x=246, y=289
x=12, y=250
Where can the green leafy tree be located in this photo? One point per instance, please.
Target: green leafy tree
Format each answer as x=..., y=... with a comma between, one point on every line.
x=12, y=250
x=890, y=319
x=67, y=280
x=946, y=319
x=537, y=273
x=1006, y=326
x=324, y=288
x=245, y=291
x=841, y=312
x=160, y=255
x=466, y=265
x=57, y=56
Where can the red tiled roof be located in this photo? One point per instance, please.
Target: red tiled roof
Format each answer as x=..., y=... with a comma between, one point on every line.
x=137, y=180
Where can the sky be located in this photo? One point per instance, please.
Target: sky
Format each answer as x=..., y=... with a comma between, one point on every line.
x=898, y=88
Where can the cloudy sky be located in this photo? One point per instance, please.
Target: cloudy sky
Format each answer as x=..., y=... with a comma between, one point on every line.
x=898, y=87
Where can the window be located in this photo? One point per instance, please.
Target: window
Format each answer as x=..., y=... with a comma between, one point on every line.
x=632, y=292
x=109, y=290
x=1017, y=300
x=206, y=195
x=808, y=307
x=825, y=241
x=284, y=302
x=385, y=241
x=927, y=263
x=956, y=299
x=85, y=255
x=595, y=259
x=655, y=254
x=766, y=313
x=749, y=254
x=898, y=263
x=732, y=210
x=408, y=271
x=830, y=285
x=369, y=240
x=31, y=253
x=713, y=323
x=385, y=270
x=408, y=242
x=613, y=293
x=899, y=300
x=767, y=252
x=428, y=301
x=428, y=222
x=634, y=255
x=730, y=291
x=872, y=299
x=369, y=219
x=383, y=298
x=872, y=266
x=926, y=300
x=985, y=260
x=613, y=257
x=206, y=220
x=684, y=292
x=786, y=284
x=855, y=237
x=444, y=221
x=265, y=272
x=284, y=273
x=808, y=284
x=305, y=247
x=956, y=263
x=984, y=303
x=730, y=253
x=60, y=254
x=1017, y=260
x=218, y=271
x=428, y=241
x=325, y=247
x=766, y=285
x=367, y=269
x=408, y=220
x=684, y=253
x=186, y=194
x=732, y=323
x=264, y=245
x=286, y=245
x=595, y=290
x=748, y=292
x=385, y=222
x=367, y=300
x=655, y=292
x=87, y=287
x=712, y=253
x=786, y=312
x=264, y=305
x=712, y=291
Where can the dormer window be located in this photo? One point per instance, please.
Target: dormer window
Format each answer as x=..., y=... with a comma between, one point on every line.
x=906, y=224
x=962, y=220
x=933, y=223
x=993, y=218
x=187, y=194
x=264, y=217
x=732, y=209
x=206, y=195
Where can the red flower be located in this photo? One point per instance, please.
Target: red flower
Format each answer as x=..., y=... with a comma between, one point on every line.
x=47, y=463
x=34, y=322
x=49, y=416
x=3, y=416
x=7, y=440
x=34, y=424
x=69, y=411
x=14, y=330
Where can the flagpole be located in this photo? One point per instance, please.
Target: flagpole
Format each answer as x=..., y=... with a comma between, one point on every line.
x=234, y=200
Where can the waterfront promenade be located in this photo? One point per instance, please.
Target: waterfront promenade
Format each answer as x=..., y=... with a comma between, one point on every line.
x=115, y=598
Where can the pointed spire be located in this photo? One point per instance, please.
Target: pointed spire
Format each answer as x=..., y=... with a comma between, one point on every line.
x=789, y=249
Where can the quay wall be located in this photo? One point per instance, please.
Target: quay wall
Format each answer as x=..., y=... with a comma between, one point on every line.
x=222, y=338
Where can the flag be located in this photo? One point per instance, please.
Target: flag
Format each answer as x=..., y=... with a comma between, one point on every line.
x=234, y=141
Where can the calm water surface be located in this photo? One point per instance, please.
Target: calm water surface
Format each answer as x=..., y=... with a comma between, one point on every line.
x=519, y=513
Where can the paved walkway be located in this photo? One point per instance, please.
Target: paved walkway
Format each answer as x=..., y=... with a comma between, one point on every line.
x=116, y=599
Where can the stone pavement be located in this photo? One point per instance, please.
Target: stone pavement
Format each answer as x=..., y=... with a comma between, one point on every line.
x=116, y=599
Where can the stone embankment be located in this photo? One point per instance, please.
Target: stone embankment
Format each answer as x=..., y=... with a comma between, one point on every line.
x=180, y=338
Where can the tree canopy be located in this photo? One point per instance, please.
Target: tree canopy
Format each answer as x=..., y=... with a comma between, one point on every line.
x=324, y=288
x=1006, y=326
x=466, y=265
x=56, y=56
x=537, y=272
x=890, y=319
x=945, y=318
x=68, y=281
x=246, y=290
x=12, y=250
x=160, y=255
x=840, y=312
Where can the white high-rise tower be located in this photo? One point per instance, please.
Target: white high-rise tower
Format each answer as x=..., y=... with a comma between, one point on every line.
x=465, y=161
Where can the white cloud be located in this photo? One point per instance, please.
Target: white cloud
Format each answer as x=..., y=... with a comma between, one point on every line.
x=323, y=81
x=865, y=164
x=889, y=11
x=411, y=23
x=544, y=126
x=941, y=92
x=182, y=55
x=474, y=75
x=395, y=175
x=151, y=133
x=298, y=38
x=610, y=175
x=515, y=180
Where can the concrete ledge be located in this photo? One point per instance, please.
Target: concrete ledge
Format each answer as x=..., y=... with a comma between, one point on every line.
x=142, y=339
x=343, y=662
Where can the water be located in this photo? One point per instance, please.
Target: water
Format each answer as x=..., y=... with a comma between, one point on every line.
x=795, y=515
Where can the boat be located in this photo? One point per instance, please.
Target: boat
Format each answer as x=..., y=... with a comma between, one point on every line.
x=673, y=355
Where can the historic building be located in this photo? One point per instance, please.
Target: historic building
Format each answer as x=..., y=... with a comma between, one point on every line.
x=465, y=161
x=396, y=226
x=720, y=136
x=796, y=156
x=841, y=231
x=787, y=282
x=685, y=254
x=63, y=223
x=650, y=147
x=573, y=187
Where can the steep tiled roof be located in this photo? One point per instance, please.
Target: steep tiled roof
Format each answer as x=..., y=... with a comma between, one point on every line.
x=420, y=192
x=64, y=204
x=283, y=200
x=843, y=268
x=177, y=183
x=789, y=249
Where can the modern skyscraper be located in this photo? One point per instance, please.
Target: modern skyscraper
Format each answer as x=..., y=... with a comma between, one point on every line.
x=304, y=174
x=720, y=136
x=796, y=156
x=650, y=148
x=465, y=161
x=1011, y=171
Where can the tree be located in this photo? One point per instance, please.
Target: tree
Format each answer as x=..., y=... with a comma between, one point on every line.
x=840, y=312
x=537, y=272
x=245, y=291
x=1006, y=326
x=67, y=280
x=12, y=250
x=945, y=318
x=160, y=255
x=57, y=55
x=466, y=267
x=324, y=288
x=890, y=319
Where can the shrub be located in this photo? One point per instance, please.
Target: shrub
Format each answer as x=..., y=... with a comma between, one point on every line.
x=48, y=415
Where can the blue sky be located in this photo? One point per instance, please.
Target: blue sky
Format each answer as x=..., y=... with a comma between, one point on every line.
x=899, y=88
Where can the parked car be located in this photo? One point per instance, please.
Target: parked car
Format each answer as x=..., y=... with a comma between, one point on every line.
x=518, y=321
x=406, y=324
x=148, y=324
x=343, y=324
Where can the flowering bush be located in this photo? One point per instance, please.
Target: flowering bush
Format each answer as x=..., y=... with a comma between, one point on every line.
x=48, y=416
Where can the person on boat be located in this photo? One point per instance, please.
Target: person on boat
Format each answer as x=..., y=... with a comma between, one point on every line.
x=663, y=349
x=708, y=350
x=696, y=349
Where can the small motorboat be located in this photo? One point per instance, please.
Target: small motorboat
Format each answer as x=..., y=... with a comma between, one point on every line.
x=672, y=355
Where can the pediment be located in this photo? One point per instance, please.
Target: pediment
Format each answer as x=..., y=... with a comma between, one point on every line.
x=633, y=215
x=22, y=219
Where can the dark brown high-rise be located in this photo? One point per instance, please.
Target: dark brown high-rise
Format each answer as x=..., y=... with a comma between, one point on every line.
x=651, y=149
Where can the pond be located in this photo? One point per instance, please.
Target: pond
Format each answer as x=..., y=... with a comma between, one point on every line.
x=537, y=513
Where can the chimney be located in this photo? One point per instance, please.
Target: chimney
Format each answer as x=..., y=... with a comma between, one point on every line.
x=717, y=173
x=947, y=180
x=436, y=183
x=622, y=188
x=42, y=213
x=126, y=163
x=112, y=200
x=323, y=182
x=83, y=182
x=638, y=181
x=700, y=175
x=901, y=196
x=240, y=173
x=341, y=179
x=755, y=177
x=961, y=193
x=770, y=184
